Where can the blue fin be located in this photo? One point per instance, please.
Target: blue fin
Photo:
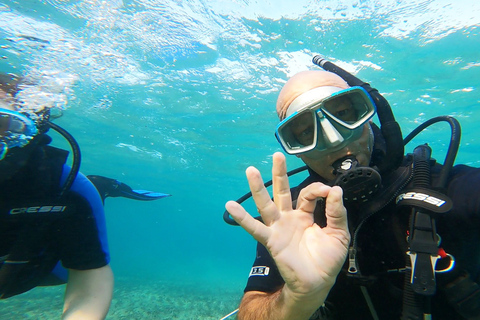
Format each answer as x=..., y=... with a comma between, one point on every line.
x=146, y=195
x=108, y=187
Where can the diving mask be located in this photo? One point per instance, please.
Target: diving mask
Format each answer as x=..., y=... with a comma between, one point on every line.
x=325, y=119
x=16, y=130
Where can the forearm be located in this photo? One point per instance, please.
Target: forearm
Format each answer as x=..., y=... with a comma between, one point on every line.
x=88, y=294
x=279, y=305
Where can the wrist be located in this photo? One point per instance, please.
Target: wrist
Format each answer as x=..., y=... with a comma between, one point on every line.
x=301, y=305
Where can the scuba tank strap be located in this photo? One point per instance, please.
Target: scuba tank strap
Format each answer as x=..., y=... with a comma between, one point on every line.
x=420, y=283
x=423, y=238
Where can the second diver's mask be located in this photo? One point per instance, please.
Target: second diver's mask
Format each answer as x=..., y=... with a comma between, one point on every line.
x=16, y=130
x=324, y=119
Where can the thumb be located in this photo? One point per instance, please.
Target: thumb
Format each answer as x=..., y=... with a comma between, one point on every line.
x=335, y=211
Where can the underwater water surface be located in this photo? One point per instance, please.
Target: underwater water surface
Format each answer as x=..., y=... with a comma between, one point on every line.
x=179, y=97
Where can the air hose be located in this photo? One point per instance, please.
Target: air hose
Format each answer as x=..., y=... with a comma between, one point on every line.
x=77, y=157
x=390, y=129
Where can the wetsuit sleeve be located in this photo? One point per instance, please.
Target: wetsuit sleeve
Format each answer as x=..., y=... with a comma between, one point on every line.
x=462, y=225
x=264, y=275
x=82, y=236
x=465, y=186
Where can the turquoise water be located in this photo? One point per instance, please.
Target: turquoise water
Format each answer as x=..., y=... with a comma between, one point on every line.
x=179, y=97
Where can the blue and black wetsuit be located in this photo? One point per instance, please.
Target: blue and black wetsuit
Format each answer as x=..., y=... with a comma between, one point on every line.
x=41, y=233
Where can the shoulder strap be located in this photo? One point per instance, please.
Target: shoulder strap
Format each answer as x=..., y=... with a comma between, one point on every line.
x=463, y=293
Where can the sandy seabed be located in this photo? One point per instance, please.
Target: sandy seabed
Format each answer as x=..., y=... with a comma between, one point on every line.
x=133, y=300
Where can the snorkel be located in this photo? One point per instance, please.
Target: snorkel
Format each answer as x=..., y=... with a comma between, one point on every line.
x=361, y=183
x=389, y=127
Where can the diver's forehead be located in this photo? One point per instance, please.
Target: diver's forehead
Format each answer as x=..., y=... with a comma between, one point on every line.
x=310, y=98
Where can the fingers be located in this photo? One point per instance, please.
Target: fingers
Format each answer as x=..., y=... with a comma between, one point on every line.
x=265, y=206
x=254, y=227
x=264, y=203
x=335, y=211
x=281, y=187
x=269, y=210
x=307, y=199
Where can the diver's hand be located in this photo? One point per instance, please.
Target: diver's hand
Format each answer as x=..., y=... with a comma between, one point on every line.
x=308, y=257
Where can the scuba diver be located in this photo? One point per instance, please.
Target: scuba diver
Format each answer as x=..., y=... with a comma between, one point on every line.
x=52, y=217
x=410, y=246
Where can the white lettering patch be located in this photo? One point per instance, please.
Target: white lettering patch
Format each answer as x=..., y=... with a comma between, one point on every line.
x=421, y=197
x=259, y=271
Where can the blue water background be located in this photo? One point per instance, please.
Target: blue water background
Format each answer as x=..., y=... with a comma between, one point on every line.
x=179, y=97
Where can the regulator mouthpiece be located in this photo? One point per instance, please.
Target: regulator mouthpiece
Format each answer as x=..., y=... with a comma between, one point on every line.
x=359, y=184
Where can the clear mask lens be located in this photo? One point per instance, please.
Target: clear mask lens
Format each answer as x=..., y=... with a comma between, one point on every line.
x=326, y=124
x=16, y=130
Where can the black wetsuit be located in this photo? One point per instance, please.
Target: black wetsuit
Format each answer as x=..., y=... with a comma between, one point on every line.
x=45, y=230
x=381, y=247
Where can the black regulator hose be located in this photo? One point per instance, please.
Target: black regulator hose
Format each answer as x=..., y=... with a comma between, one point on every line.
x=456, y=133
x=77, y=157
x=390, y=129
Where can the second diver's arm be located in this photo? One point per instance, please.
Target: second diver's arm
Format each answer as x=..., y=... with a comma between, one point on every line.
x=83, y=242
x=88, y=294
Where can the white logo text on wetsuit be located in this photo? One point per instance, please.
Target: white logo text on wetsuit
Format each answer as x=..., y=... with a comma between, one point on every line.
x=259, y=271
x=39, y=209
x=421, y=197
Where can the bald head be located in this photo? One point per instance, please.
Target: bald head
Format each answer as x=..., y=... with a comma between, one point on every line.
x=302, y=82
